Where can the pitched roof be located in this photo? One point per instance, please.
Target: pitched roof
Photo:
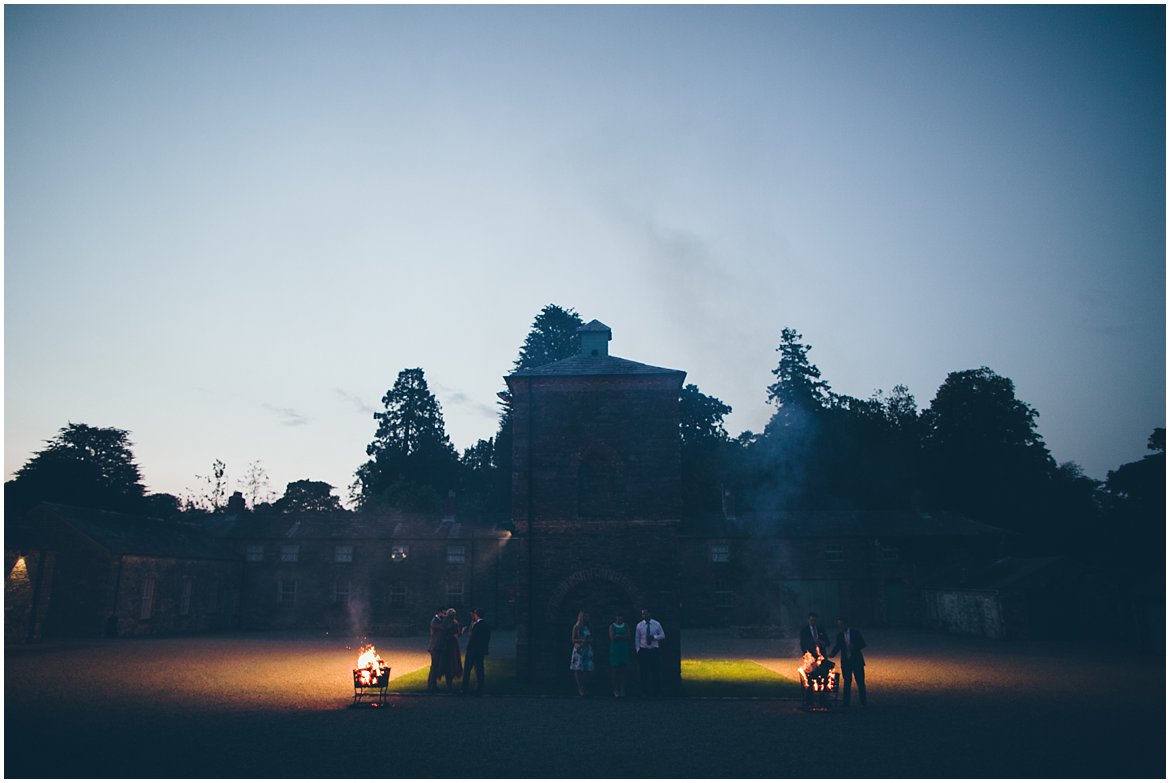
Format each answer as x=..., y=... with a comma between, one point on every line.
x=594, y=365
x=126, y=534
x=349, y=526
x=594, y=326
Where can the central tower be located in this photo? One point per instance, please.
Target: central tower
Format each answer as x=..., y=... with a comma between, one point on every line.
x=595, y=504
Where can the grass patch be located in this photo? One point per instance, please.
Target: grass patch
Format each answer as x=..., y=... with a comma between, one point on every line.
x=736, y=678
x=500, y=674
x=699, y=678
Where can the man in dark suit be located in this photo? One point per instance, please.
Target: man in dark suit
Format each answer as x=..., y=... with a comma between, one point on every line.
x=850, y=643
x=813, y=641
x=812, y=638
x=477, y=647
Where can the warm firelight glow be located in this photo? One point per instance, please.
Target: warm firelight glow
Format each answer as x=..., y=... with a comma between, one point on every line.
x=808, y=665
x=20, y=570
x=370, y=667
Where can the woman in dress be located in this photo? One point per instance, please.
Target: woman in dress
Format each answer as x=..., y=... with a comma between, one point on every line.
x=453, y=665
x=619, y=654
x=581, y=661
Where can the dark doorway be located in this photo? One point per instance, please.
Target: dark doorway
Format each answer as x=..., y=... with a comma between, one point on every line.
x=601, y=600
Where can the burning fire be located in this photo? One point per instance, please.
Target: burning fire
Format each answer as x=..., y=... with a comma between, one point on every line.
x=370, y=667
x=809, y=666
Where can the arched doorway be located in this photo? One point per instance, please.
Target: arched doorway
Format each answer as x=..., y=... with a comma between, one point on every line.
x=601, y=594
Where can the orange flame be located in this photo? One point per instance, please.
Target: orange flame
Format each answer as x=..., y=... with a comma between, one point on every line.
x=369, y=666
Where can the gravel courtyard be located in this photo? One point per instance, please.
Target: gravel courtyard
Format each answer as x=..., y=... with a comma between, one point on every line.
x=278, y=706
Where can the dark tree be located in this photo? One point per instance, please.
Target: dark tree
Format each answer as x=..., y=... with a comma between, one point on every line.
x=552, y=337
x=479, y=481
x=781, y=468
x=798, y=381
x=704, y=448
x=984, y=456
x=412, y=462
x=91, y=467
x=306, y=495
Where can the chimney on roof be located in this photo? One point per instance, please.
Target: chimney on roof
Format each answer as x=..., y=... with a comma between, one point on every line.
x=595, y=337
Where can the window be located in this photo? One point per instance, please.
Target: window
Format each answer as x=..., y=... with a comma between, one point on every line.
x=343, y=554
x=185, y=596
x=341, y=593
x=397, y=596
x=456, y=554
x=834, y=553
x=720, y=553
x=146, y=599
x=455, y=594
x=254, y=553
x=889, y=553
x=213, y=597
x=286, y=592
x=289, y=553
x=724, y=596
x=399, y=552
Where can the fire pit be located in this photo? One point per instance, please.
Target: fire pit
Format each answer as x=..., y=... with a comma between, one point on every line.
x=818, y=680
x=371, y=679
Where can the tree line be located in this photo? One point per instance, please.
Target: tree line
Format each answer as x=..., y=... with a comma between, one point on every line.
x=974, y=451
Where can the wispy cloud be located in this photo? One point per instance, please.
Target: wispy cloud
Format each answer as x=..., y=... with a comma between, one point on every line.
x=453, y=397
x=288, y=416
x=355, y=400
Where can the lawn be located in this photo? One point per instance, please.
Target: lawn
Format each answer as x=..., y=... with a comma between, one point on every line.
x=500, y=674
x=700, y=678
x=736, y=678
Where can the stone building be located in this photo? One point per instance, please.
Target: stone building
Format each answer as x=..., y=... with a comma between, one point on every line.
x=595, y=504
x=81, y=572
x=769, y=569
x=383, y=573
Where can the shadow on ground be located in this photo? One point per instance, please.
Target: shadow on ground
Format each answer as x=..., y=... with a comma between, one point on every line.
x=278, y=705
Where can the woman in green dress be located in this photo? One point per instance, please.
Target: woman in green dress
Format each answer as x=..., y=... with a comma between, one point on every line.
x=619, y=654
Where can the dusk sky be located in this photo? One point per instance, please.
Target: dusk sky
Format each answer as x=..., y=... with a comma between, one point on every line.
x=228, y=228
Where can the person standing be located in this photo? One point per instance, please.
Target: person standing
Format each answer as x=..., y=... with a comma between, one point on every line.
x=850, y=643
x=648, y=638
x=812, y=638
x=435, y=648
x=479, y=635
x=451, y=654
x=619, y=654
x=812, y=642
x=581, y=661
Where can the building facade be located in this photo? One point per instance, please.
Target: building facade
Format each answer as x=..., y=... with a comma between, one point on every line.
x=595, y=504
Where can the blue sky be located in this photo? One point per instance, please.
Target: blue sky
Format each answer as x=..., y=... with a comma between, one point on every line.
x=228, y=228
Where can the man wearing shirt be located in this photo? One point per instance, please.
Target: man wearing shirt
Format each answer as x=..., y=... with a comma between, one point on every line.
x=648, y=638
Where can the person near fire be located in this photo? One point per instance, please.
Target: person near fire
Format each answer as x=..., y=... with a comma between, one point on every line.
x=479, y=634
x=850, y=643
x=814, y=642
x=452, y=655
x=581, y=660
x=812, y=638
x=648, y=636
x=435, y=648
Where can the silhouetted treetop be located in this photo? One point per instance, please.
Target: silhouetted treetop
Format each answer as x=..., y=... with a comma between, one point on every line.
x=91, y=467
x=553, y=337
x=798, y=381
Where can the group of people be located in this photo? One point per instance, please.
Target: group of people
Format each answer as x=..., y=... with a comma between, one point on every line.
x=850, y=643
x=646, y=639
x=447, y=660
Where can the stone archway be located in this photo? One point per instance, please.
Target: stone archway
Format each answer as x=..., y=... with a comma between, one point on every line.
x=601, y=593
